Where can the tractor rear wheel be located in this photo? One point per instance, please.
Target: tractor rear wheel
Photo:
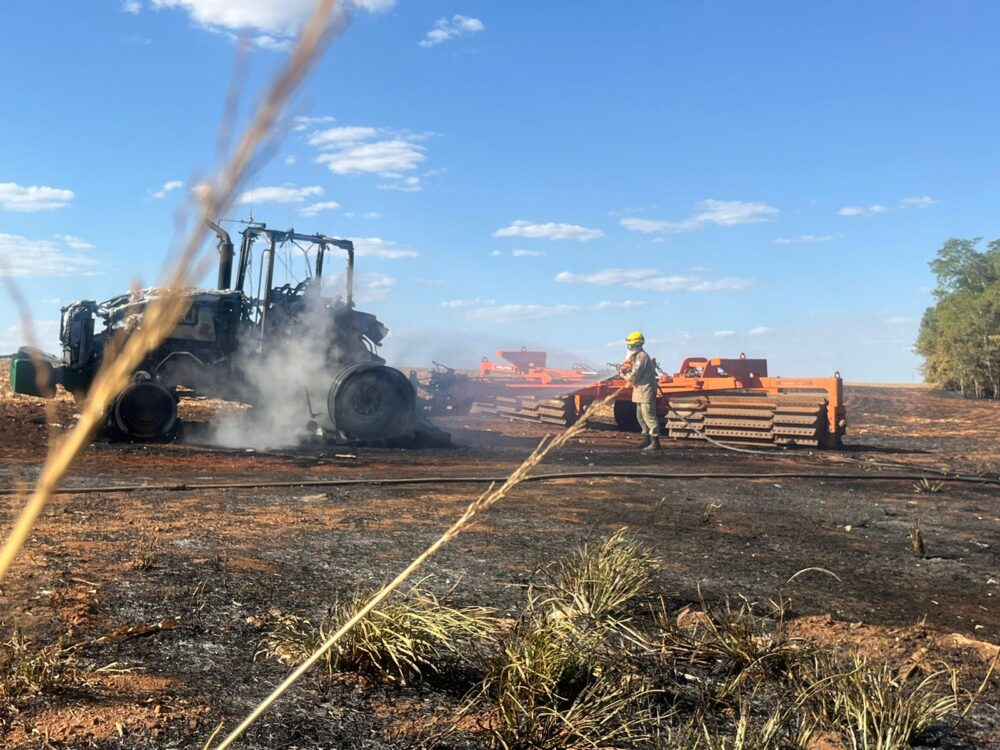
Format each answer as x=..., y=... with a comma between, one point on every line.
x=145, y=411
x=371, y=402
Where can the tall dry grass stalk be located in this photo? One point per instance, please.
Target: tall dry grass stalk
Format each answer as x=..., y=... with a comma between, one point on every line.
x=488, y=499
x=162, y=314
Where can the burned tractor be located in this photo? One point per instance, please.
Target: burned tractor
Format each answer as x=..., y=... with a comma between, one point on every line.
x=243, y=341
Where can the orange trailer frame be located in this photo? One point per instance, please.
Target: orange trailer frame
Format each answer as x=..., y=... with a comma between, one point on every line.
x=717, y=375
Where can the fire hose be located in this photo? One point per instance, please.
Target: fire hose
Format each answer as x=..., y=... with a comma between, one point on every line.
x=550, y=477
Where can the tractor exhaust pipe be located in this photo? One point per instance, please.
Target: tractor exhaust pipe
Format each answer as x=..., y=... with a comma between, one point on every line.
x=225, y=248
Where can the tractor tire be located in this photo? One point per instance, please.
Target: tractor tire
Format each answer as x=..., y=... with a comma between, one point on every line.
x=626, y=417
x=144, y=412
x=369, y=403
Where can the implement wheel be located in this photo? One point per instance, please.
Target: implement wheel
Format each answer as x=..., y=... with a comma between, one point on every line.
x=626, y=417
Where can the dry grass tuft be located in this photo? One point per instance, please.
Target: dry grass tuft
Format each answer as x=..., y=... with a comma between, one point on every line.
x=928, y=486
x=872, y=705
x=550, y=689
x=27, y=670
x=778, y=729
x=398, y=642
x=599, y=581
x=747, y=645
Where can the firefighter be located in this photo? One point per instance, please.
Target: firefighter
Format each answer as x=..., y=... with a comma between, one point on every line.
x=640, y=372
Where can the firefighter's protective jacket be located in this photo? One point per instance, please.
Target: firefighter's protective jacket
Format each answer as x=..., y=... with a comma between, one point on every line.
x=642, y=377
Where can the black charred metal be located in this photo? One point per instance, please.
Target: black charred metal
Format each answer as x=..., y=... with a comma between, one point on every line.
x=225, y=248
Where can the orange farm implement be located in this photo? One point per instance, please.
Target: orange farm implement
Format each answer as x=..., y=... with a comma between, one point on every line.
x=728, y=400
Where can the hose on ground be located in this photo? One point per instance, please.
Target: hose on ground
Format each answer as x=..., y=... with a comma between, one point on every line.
x=551, y=477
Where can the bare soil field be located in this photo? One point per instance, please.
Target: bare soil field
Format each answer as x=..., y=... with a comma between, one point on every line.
x=165, y=596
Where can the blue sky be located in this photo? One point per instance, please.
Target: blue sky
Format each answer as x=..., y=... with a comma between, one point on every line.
x=767, y=177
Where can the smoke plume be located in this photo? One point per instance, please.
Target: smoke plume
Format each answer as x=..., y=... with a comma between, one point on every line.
x=287, y=381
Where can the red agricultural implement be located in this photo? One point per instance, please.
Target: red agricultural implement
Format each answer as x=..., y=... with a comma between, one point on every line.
x=731, y=400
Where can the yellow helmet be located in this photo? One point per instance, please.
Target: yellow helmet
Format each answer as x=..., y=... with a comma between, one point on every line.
x=635, y=339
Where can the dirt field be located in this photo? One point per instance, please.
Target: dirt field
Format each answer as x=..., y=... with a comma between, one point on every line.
x=205, y=571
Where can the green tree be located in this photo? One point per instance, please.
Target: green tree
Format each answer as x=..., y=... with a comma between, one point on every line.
x=959, y=335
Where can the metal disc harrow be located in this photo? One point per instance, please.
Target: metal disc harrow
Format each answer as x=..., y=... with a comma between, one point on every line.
x=555, y=411
x=776, y=419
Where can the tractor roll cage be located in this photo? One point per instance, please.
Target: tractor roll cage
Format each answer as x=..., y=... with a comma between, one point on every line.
x=274, y=238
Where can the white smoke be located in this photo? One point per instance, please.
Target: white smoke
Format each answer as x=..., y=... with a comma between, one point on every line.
x=290, y=378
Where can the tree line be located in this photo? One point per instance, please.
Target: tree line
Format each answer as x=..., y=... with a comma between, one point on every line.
x=959, y=335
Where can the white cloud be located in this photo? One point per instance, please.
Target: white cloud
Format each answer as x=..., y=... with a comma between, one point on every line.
x=314, y=209
x=862, y=210
x=280, y=194
x=368, y=287
x=917, y=201
x=273, y=43
x=303, y=122
x=372, y=287
x=290, y=160
x=445, y=29
x=760, y=330
x=724, y=334
x=687, y=283
x=548, y=231
x=32, y=198
x=357, y=149
x=608, y=277
x=371, y=215
x=720, y=213
x=281, y=17
x=496, y=253
x=624, y=304
x=77, y=243
x=806, y=239
x=519, y=313
x=527, y=253
x=341, y=136
x=26, y=258
x=381, y=157
x=376, y=247
x=649, y=279
x=457, y=303
x=132, y=6
x=403, y=184
x=167, y=187
x=896, y=320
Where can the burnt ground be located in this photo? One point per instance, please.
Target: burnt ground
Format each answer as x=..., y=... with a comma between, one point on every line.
x=208, y=569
